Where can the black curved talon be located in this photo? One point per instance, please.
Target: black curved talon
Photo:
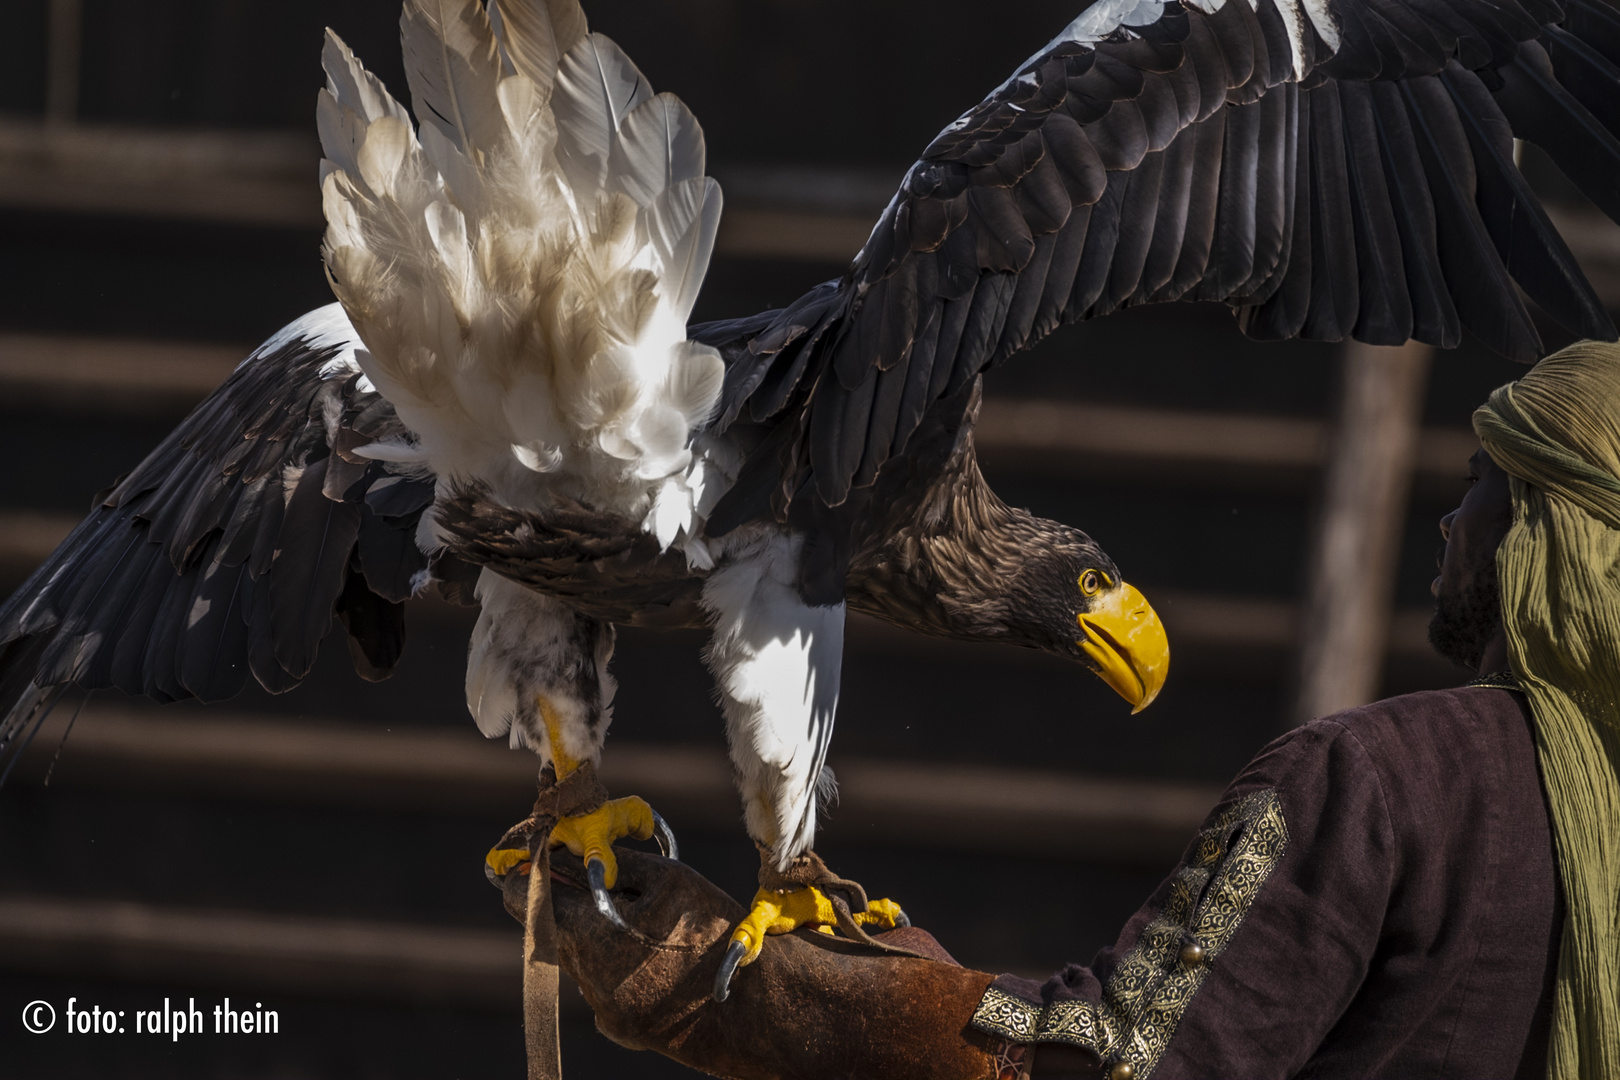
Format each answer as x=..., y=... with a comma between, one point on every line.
x=596, y=874
x=728, y=968
x=901, y=919
x=666, y=837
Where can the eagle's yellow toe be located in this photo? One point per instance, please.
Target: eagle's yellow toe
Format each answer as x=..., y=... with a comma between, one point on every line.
x=780, y=912
x=591, y=836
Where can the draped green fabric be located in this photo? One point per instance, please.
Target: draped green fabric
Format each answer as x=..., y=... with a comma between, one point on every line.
x=1557, y=433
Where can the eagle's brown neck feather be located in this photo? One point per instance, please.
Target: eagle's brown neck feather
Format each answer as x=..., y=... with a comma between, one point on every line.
x=950, y=564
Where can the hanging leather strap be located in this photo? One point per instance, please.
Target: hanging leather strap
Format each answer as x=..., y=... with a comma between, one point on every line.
x=540, y=976
x=577, y=793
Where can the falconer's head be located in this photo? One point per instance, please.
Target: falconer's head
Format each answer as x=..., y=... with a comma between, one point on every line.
x=1544, y=487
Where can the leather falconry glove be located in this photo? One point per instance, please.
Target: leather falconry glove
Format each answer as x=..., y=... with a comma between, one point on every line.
x=813, y=1006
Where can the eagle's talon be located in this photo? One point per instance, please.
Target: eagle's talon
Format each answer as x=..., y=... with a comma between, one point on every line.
x=728, y=967
x=665, y=836
x=596, y=875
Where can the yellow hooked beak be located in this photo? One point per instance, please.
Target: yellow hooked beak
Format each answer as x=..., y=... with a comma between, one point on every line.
x=1126, y=640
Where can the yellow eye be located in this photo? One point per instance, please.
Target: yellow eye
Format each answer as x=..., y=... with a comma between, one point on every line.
x=1090, y=582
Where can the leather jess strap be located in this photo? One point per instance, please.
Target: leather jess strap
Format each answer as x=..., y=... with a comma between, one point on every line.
x=540, y=975
x=577, y=793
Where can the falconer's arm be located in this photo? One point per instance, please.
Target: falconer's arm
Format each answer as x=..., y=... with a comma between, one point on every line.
x=1237, y=965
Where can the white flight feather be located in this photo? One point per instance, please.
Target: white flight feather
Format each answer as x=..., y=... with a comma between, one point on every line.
x=522, y=266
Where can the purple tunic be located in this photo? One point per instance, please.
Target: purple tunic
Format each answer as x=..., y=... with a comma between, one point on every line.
x=1375, y=896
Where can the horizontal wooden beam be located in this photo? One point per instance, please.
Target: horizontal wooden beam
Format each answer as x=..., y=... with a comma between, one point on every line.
x=27, y=537
x=266, y=178
x=120, y=375
x=454, y=770
x=324, y=957
x=808, y=236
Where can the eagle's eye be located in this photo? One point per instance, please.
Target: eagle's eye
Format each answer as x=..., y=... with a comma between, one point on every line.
x=1090, y=583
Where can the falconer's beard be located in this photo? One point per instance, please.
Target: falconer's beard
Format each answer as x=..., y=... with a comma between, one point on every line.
x=1464, y=624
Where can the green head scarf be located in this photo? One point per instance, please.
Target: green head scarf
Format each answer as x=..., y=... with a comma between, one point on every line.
x=1557, y=434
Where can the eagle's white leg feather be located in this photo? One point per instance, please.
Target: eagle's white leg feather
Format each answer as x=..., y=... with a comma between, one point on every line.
x=776, y=661
x=534, y=659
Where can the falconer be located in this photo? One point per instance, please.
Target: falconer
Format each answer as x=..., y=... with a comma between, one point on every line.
x=1425, y=886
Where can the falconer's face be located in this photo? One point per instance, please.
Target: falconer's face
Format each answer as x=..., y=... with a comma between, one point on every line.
x=1467, y=603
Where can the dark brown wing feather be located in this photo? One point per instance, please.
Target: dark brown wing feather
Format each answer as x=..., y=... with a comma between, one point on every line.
x=1370, y=193
x=227, y=552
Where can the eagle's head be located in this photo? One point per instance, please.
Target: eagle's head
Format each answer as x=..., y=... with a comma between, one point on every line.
x=1075, y=603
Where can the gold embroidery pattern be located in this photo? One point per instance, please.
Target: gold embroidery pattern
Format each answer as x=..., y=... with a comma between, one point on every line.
x=1498, y=680
x=1146, y=996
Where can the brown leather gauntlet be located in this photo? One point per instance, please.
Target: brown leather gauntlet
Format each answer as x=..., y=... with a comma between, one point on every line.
x=810, y=1007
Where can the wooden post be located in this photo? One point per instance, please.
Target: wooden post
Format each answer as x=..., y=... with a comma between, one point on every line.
x=1350, y=596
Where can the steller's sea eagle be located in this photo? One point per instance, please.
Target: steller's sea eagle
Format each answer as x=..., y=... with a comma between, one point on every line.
x=508, y=399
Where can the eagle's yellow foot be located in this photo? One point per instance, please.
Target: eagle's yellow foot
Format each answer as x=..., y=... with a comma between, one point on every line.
x=591, y=836
x=503, y=860
x=512, y=851
x=780, y=912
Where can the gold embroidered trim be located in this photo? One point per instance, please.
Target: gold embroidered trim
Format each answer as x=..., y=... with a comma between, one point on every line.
x=1498, y=680
x=1146, y=996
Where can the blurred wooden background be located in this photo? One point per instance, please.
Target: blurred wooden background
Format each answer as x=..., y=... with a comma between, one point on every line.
x=321, y=851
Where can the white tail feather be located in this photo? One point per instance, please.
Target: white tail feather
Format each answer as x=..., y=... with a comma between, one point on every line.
x=452, y=64
x=682, y=221
x=534, y=35
x=597, y=85
x=342, y=127
x=522, y=267
x=659, y=144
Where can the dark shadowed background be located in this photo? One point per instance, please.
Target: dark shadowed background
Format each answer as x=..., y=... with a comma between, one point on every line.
x=320, y=852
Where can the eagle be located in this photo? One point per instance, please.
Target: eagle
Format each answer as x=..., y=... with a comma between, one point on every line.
x=508, y=402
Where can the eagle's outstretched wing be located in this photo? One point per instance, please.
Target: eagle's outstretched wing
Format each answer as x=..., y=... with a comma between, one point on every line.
x=1328, y=168
x=229, y=549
